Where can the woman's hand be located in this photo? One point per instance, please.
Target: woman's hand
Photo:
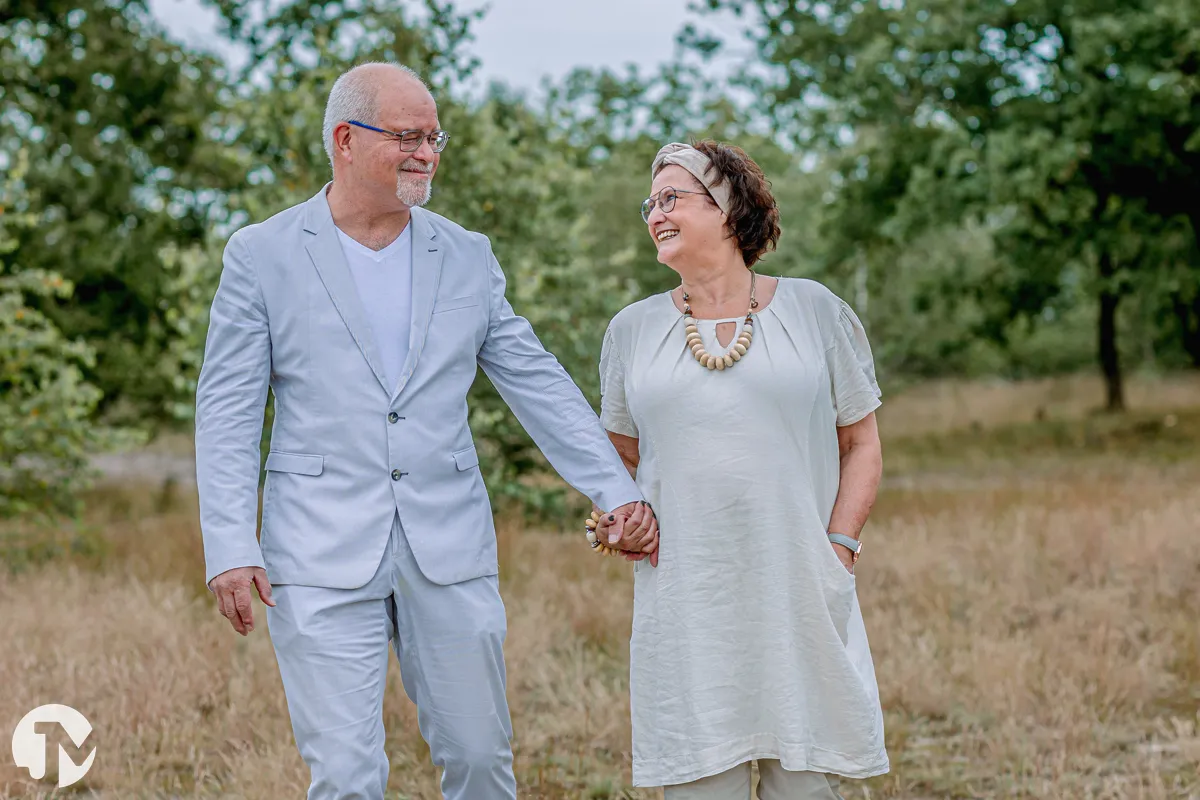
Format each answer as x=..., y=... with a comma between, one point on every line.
x=632, y=528
x=845, y=555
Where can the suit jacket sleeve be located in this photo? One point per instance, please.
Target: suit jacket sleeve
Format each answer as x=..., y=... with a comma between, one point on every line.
x=230, y=398
x=549, y=405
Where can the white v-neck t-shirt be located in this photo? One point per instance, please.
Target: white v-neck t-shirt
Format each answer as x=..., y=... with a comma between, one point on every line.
x=384, y=282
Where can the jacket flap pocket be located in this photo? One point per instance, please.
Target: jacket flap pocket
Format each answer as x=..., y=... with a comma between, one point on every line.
x=455, y=303
x=298, y=463
x=465, y=459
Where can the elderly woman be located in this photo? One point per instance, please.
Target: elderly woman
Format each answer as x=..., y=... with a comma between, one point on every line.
x=744, y=407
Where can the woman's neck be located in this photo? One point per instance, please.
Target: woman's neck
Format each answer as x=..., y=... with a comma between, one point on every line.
x=717, y=288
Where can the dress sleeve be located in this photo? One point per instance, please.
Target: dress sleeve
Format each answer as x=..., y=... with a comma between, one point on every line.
x=852, y=368
x=614, y=410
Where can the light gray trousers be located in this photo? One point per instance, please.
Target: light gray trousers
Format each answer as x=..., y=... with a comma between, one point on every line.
x=332, y=648
x=774, y=783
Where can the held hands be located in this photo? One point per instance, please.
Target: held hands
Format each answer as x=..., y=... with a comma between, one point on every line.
x=232, y=589
x=632, y=528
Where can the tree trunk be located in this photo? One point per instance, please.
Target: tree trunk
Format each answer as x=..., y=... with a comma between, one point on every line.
x=1189, y=326
x=1188, y=309
x=1110, y=362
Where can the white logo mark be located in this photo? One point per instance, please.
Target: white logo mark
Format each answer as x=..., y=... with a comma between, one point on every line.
x=29, y=746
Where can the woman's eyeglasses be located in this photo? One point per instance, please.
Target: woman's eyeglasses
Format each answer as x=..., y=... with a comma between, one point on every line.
x=664, y=199
x=410, y=141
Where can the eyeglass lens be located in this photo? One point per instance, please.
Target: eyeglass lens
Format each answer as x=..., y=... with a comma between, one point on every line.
x=665, y=200
x=412, y=141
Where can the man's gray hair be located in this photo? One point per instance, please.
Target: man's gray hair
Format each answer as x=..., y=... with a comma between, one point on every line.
x=355, y=95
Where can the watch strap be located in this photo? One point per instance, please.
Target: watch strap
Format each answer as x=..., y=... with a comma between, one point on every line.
x=852, y=544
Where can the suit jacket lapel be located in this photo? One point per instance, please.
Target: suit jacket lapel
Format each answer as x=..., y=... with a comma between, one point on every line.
x=326, y=253
x=426, y=276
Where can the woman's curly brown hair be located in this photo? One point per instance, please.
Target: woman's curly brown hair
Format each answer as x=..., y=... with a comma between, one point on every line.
x=753, y=214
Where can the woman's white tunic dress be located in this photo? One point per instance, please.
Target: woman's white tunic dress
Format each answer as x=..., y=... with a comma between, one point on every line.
x=748, y=641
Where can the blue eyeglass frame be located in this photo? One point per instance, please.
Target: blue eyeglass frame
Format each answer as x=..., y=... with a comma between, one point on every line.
x=433, y=138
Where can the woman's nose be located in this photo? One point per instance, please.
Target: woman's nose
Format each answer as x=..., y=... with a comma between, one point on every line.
x=656, y=213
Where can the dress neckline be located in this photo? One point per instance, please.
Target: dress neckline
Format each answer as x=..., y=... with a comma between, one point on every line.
x=755, y=313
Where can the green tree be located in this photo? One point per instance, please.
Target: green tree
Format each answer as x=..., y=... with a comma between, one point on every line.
x=46, y=405
x=122, y=167
x=1069, y=130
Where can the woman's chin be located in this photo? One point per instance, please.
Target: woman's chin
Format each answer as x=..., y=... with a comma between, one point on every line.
x=667, y=252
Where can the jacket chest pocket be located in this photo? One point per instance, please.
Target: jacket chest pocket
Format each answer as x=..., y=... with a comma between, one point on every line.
x=457, y=327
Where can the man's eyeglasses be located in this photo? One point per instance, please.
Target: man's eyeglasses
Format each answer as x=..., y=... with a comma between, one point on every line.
x=410, y=141
x=664, y=199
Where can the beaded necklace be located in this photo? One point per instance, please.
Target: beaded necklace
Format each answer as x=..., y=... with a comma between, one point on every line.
x=737, y=352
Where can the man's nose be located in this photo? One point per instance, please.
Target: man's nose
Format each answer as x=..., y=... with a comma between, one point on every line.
x=424, y=153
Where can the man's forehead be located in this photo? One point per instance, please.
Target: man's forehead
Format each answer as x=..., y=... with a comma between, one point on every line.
x=406, y=102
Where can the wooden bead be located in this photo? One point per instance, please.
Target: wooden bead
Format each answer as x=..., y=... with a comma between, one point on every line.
x=734, y=354
x=589, y=523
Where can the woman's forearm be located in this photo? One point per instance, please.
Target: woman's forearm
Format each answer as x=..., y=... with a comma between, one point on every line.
x=627, y=449
x=861, y=470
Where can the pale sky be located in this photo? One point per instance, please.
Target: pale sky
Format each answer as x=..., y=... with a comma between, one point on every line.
x=519, y=41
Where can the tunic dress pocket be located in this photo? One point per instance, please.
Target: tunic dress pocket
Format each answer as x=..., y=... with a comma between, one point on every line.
x=840, y=588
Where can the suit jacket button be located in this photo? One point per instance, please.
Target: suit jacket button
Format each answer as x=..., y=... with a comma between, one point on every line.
x=396, y=474
x=392, y=417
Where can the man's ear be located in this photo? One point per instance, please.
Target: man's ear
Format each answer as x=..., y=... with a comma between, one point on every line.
x=341, y=140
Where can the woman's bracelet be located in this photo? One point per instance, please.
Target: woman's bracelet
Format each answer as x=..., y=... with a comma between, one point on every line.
x=590, y=524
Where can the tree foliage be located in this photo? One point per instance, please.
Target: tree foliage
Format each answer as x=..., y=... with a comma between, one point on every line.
x=1070, y=130
x=997, y=188
x=114, y=120
x=46, y=405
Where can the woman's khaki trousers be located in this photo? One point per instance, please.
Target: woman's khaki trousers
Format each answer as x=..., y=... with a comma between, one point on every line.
x=774, y=783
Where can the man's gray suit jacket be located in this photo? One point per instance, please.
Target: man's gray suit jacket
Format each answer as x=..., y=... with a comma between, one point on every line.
x=348, y=451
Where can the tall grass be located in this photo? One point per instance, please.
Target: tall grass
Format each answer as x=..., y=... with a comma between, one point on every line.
x=1031, y=592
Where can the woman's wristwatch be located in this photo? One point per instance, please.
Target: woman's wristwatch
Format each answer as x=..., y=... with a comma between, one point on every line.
x=848, y=542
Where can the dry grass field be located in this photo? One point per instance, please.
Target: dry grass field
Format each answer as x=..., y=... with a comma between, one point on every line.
x=1031, y=587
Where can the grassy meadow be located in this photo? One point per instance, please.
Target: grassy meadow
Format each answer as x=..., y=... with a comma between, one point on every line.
x=1031, y=587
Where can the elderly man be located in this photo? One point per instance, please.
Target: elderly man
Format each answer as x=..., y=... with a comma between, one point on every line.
x=367, y=315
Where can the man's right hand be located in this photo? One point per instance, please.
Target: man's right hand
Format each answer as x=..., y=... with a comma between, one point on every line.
x=632, y=528
x=232, y=588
